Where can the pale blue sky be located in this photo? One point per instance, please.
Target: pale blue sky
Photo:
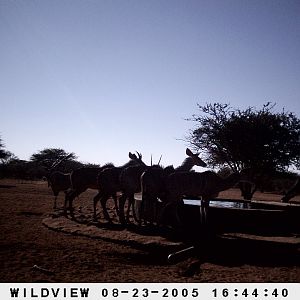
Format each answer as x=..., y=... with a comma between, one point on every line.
x=102, y=78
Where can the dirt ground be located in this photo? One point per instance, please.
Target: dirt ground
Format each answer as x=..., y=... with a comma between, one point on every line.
x=31, y=252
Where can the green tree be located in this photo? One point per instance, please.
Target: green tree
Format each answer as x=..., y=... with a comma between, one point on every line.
x=258, y=139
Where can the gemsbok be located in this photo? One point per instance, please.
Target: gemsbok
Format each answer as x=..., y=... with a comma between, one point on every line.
x=130, y=182
x=153, y=182
x=109, y=183
x=82, y=179
x=292, y=192
x=59, y=182
x=206, y=185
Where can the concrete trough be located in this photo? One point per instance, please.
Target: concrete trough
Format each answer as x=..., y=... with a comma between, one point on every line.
x=255, y=217
x=231, y=215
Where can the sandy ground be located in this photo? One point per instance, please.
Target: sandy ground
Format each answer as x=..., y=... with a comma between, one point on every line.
x=62, y=257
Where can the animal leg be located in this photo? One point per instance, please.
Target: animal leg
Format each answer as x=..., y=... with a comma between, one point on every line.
x=204, y=217
x=71, y=208
x=67, y=195
x=169, y=211
x=55, y=199
x=96, y=199
x=161, y=220
x=103, y=201
x=131, y=202
x=142, y=210
x=122, y=201
x=132, y=205
x=116, y=204
x=148, y=212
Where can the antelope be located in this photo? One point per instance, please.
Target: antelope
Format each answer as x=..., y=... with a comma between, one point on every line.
x=130, y=182
x=292, y=192
x=82, y=179
x=247, y=189
x=153, y=180
x=206, y=185
x=59, y=182
x=109, y=183
x=257, y=179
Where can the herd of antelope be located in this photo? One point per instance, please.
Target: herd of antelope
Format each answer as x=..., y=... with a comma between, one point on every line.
x=157, y=185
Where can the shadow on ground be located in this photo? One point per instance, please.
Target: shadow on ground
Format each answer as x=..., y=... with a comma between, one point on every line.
x=157, y=244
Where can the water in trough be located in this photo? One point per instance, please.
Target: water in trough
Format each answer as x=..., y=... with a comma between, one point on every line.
x=228, y=215
x=222, y=204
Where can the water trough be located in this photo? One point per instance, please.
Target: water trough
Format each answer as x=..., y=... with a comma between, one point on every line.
x=266, y=222
x=233, y=215
x=253, y=217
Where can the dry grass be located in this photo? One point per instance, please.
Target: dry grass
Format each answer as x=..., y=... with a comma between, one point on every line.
x=25, y=242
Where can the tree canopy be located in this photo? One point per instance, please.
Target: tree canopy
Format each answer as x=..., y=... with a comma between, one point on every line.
x=250, y=138
x=3, y=153
x=40, y=163
x=50, y=156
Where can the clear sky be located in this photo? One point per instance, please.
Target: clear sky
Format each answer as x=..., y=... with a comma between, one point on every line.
x=102, y=78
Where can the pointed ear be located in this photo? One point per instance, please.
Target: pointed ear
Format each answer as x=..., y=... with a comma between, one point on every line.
x=188, y=152
x=132, y=155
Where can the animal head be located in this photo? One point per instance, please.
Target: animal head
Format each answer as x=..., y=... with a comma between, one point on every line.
x=247, y=189
x=59, y=161
x=136, y=158
x=54, y=166
x=197, y=160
